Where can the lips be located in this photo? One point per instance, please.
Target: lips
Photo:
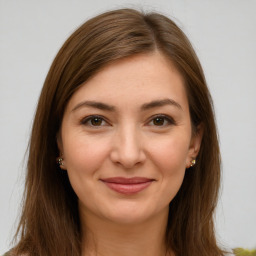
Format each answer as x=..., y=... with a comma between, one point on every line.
x=127, y=185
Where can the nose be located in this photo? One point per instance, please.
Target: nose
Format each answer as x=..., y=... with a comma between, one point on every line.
x=127, y=149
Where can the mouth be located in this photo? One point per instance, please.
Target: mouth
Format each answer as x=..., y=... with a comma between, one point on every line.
x=127, y=186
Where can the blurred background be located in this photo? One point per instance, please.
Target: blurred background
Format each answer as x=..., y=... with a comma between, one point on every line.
x=223, y=33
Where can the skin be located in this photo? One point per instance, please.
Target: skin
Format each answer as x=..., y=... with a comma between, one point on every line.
x=129, y=139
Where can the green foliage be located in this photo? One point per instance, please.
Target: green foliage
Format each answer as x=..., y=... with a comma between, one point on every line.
x=244, y=252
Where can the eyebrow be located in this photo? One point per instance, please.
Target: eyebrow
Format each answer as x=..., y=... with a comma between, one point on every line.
x=94, y=104
x=146, y=106
x=160, y=103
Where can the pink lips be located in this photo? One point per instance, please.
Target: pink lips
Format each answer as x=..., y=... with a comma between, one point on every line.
x=127, y=185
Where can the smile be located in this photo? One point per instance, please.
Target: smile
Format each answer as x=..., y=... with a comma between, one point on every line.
x=127, y=186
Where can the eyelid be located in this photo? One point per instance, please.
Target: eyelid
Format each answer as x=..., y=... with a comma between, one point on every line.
x=169, y=119
x=85, y=120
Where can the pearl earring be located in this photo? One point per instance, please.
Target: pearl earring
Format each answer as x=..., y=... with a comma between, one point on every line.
x=193, y=162
x=60, y=161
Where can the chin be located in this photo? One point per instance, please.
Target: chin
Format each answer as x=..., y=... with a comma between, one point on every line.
x=128, y=218
x=131, y=214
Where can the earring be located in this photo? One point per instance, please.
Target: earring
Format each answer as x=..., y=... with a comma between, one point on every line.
x=193, y=162
x=60, y=161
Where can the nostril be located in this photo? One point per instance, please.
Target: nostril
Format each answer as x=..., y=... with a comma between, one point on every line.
x=127, y=149
x=127, y=159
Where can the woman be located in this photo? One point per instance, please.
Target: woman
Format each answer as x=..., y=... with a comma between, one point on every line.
x=126, y=112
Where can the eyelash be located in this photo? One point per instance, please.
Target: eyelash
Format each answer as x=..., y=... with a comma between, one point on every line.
x=86, y=120
x=167, y=120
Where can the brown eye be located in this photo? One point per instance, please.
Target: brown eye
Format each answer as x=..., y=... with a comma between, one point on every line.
x=162, y=121
x=159, y=121
x=96, y=121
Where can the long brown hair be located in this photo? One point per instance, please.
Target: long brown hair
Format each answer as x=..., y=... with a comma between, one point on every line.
x=49, y=222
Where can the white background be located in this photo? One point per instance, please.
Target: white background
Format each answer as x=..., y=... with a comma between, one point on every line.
x=223, y=33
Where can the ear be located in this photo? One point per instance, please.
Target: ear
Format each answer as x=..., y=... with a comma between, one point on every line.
x=59, y=142
x=195, y=144
x=61, y=156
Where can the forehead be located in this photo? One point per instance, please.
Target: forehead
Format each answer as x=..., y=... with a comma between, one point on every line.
x=135, y=80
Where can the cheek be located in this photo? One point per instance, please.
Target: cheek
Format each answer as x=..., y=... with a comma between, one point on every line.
x=83, y=158
x=170, y=160
x=83, y=155
x=170, y=153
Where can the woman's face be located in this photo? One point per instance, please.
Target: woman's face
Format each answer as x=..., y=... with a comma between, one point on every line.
x=126, y=139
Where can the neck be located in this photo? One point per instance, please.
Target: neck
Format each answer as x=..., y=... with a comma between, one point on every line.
x=104, y=238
